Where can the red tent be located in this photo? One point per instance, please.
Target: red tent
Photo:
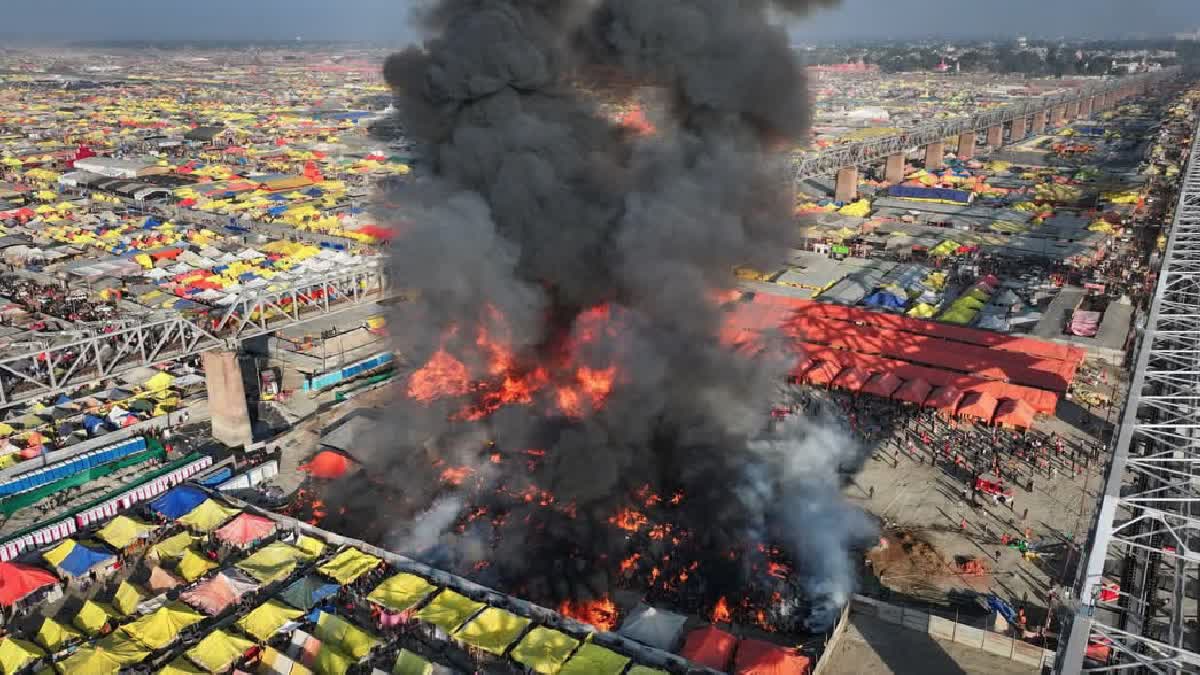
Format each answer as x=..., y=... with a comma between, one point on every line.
x=882, y=384
x=246, y=529
x=327, y=464
x=755, y=657
x=17, y=581
x=945, y=399
x=1014, y=413
x=978, y=405
x=852, y=379
x=710, y=647
x=913, y=391
x=823, y=373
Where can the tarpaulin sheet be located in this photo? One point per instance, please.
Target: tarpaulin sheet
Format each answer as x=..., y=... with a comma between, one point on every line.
x=181, y=666
x=82, y=560
x=401, y=592
x=1008, y=343
x=882, y=384
x=1015, y=414
x=214, y=595
x=18, y=580
x=126, y=599
x=1042, y=401
x=945, y=399
x=595, y=660
x=755, y=657
x=449, y=610
x=90, y=618
x=408, y=663
x=266, y=619
x=218, y=650
x=822, y=372
x=272, y=562
x=544, y=650
x=852, y=379
x=1084, y=323
x=915, y=391
x=16, y=654
x=977, y=405
x=107, y=657
x=333, y=630
x=348, y=565
x=979, y=361
x=174, y=546
x=163, y=626
x=208, y=516
x=493, y=630
x=307, y=592
x=245, y=529
x=122, y=531
x=193, y=565
x=54, y=636
x=710, y=647
x=658, y=628
x=179, y=501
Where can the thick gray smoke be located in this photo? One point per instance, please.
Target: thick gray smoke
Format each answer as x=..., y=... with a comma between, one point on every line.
x=533, y=209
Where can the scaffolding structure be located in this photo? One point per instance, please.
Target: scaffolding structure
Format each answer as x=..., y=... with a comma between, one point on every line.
x=1137, y=591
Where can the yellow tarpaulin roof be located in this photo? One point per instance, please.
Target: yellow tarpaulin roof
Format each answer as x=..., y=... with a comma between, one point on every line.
x=493, y=630
x=267, y=619
x=401, y=592
x=408, y=663
x=595, y=660
x=54, y=636
x=344, y=636
x=208, y=516
x=192, y=565
x=181, y=666
x=275, y=662
x=544, y=650
x=271, y=562
x=449, y=610
x=126, y=599
x=645, y=670
x=59, y=553
x=218, y=650
x=161, y=628
x=311, y=546
x=349, y=565
x=123, y=531
x=174, y=546
x=105, y=657
x=90, y=618
x=16, y=654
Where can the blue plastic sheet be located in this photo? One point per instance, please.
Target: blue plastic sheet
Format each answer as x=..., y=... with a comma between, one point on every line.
x=82, y=559
x=179, y=502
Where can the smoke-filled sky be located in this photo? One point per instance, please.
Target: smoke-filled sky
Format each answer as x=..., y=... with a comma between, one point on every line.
x=388, y=19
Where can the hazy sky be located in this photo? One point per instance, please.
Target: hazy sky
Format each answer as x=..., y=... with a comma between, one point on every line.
x=386, y=19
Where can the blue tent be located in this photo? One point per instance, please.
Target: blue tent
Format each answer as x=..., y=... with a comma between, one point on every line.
x=93, y=424
x=277, y=197
x=82, y=559
x=217, y=478
x=277, y=210
x=308, y=592
x=62, y=399
x=884, y=299
x=179, y=501
x=314, y=192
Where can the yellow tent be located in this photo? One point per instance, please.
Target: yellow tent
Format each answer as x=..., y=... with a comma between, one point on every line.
x=449, y=611
x=159, y=382
x=106, y=657
x=218, y=650
x=208, y=516
x=329, y=661
x=192, y=565
x=174, y=546
x=348, y=565
x=126, y=599
x=267, y=619
x=493, y=630
x=59, y=553
x=123, y=531
x=401, y=592
x=54, y=636
x=181, y=666
x=333, y=630
x=544, y=650
x=16, y=654
x=312, y=547
x=91, y=618
x=163, y=627
x=408, y=663
x=272, y=562
x=595, y=660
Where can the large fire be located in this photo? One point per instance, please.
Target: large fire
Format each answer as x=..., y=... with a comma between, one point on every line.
x=600, y=613
x=441, y=377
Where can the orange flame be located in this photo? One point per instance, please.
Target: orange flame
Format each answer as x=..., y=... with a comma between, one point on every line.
x=635, y=120
x=629, y=564
x=600, y=613
x=721, y=613
x=628, y=520
x=778, y=570
x=455, y=475
x=442, y=376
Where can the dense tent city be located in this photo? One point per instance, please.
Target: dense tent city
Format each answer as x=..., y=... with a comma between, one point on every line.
x=575, y=339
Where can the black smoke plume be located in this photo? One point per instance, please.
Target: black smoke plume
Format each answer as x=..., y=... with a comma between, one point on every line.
x=532, y=209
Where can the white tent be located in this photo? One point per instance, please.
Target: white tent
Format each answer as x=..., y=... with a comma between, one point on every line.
x=653, y=627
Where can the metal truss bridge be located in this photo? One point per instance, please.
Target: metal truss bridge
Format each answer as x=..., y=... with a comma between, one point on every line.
x=1145, y=536
x=252, y=312
x=861, y=153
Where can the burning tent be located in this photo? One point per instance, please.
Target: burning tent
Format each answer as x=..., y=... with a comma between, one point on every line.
x=327, y=465
x=755, y=657
x=710, y=647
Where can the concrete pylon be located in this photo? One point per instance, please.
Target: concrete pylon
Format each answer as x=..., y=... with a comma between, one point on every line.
x=995, y=136
x=934, y=152
x=966, y=145
x=893, y=171
x=1056, y=116
x=227, y=398
x=1039, y=123
x=845, y=189
x=1018, y=129
x=1085, y=106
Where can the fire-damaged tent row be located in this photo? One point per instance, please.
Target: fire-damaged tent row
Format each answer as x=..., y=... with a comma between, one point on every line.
x=246, y=589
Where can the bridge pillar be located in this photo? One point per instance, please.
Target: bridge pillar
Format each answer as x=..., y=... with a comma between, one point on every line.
x=1018, y=129
x=1085, y=106
x=227, y=398
x=893, y=171
x=1039, y=123
x=966, y=145
x=995, y=136
x=845, y=189
x=1056, y=116
x=934, y=152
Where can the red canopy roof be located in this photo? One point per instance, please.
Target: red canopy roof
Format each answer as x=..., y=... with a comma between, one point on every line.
x=1015, y=413
x=882, y=384
x=245, y=529
x=18, y=581
x=913, y=391
x=327, y=464
x=945, y=398
x=979, y=405
x=852, y=378
x=710, y=647
x=755, y=657
x=823, y=373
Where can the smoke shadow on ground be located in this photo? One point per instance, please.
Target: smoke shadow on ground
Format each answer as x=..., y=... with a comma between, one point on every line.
x=899, y=650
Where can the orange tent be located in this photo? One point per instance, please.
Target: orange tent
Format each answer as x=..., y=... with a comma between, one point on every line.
x=710, y=647
x=945, y=399
x=327, y=464
x=823, y=373
x=978, y=405
x=913, y=391
x=882, y=384
x=852, y=379
x=1014, y=413
x=755, y=657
